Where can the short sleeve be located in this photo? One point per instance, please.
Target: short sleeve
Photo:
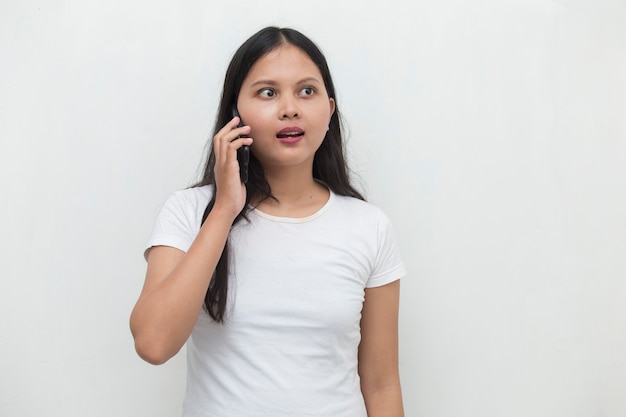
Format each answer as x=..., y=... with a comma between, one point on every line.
x=388, y=265
x=179, y=220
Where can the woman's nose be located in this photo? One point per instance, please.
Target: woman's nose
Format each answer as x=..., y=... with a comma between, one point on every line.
x=289, y=109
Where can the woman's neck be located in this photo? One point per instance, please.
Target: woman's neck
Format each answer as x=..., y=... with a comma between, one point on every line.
x=297, y=194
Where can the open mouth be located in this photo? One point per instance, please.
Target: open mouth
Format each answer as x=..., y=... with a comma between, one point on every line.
x=290, y=133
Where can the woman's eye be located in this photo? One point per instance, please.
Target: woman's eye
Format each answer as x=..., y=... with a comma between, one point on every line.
x=267, y=92
x=307, y=91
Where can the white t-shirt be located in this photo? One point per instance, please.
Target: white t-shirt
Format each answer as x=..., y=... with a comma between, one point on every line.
x=289, y=343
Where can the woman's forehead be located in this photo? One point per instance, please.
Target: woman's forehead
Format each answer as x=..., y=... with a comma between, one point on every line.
x=283, y=62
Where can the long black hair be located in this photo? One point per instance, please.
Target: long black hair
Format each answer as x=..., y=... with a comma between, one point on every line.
x=329, y=164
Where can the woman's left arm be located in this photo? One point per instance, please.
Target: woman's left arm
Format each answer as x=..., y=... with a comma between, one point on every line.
x=378, y=352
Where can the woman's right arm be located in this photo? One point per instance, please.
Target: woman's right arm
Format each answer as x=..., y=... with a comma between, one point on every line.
x=174, y=289
x=176, y=282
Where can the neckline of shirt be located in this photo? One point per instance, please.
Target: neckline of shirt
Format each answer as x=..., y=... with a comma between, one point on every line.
x=309, y=218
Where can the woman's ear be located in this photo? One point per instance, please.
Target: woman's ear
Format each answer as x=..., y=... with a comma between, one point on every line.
x=332, y=105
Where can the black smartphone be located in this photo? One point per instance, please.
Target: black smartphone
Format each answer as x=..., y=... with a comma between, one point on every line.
x=243, y=153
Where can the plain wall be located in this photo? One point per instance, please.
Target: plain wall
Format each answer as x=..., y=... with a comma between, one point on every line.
x=493, y=134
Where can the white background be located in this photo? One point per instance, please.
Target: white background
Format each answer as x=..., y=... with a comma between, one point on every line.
x=492, y=132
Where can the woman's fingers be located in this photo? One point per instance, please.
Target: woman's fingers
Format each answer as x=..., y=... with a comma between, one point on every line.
x=228, y=140
x=230, y=189
x=231, y=131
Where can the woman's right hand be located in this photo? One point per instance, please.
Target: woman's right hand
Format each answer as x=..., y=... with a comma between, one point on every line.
x=230, y=195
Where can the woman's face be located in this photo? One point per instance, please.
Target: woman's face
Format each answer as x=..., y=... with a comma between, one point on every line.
x=284, y=101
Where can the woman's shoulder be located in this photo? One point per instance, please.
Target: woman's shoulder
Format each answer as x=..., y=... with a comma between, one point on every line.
x=356, y=207
x=354, y=202
x=190, y=201
x=198, y=194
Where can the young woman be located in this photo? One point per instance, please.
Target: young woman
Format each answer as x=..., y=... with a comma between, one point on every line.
x=284, y=288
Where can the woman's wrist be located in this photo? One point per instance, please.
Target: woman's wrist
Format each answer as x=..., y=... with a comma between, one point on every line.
x=222, y=214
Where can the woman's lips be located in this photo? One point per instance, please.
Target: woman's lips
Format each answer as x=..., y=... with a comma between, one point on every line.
x=290, y=135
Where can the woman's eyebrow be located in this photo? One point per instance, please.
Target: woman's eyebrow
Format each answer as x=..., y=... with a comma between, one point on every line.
x=274, y=82
x=308, y=80
x=264, y=82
